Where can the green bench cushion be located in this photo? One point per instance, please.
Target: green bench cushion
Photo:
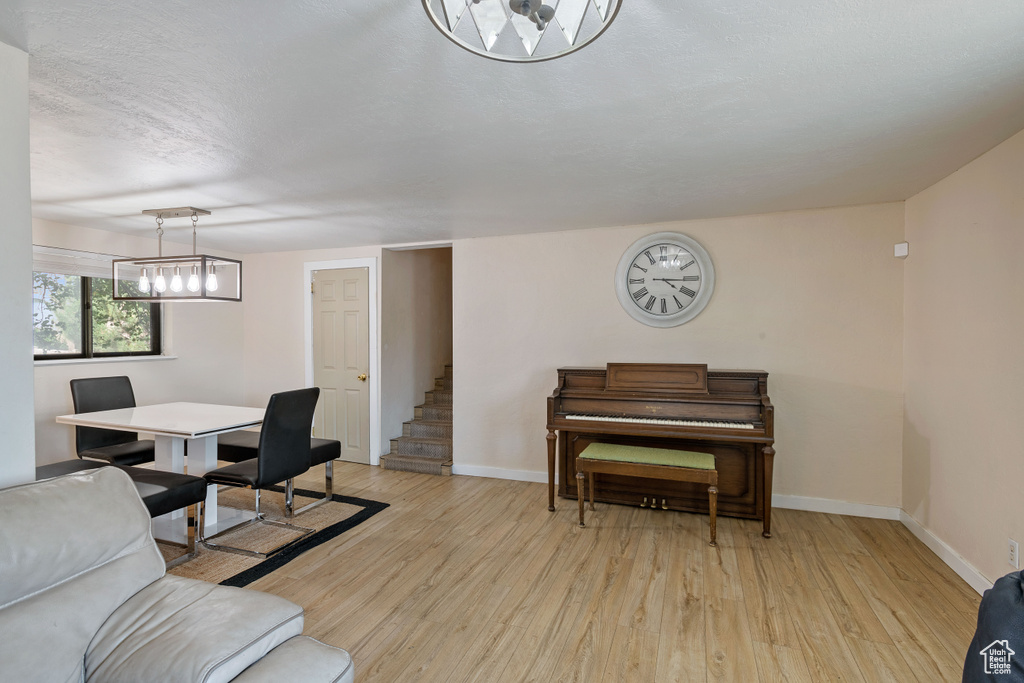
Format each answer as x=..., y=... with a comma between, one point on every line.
x=649, y=456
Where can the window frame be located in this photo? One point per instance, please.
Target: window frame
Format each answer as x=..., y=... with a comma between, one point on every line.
x=155, y=322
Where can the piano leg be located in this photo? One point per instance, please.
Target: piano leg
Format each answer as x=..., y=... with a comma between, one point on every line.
x=579, y=494
x=769, y=457
x=713, y=513
x=551, y=469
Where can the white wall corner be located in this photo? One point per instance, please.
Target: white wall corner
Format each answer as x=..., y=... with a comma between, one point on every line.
x=964, y=569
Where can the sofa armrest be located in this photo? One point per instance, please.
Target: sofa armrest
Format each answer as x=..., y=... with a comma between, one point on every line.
x=301, y=659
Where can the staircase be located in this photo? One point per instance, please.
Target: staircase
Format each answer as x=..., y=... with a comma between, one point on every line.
x=426, y=442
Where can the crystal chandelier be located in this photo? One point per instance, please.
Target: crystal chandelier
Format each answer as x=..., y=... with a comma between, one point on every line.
x=522, y=30
x=194, y=277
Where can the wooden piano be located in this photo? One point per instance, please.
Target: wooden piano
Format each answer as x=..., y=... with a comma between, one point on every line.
x=686, y=407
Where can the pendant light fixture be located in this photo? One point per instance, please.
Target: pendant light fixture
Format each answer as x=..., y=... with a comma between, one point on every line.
x=522, y=30
x=195, y=277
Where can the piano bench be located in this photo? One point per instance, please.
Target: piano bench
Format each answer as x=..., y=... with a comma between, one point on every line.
x=650, y=463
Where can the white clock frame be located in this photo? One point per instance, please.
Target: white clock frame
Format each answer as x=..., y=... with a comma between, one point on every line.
x=699, y=302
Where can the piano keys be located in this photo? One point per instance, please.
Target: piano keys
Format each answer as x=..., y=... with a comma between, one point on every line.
x=680, y=406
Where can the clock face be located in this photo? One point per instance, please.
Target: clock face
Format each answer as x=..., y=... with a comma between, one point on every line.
x=664, y=279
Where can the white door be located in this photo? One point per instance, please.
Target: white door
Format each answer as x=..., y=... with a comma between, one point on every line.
x=341, y=359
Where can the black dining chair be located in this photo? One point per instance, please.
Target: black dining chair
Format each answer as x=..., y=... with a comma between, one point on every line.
x=115, y=447
x=283, y=453
x=242, y=445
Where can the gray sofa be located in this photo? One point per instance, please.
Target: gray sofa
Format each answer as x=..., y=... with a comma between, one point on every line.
x=84, y=597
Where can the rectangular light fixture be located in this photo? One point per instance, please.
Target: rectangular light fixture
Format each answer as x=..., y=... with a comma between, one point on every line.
x=190, y=277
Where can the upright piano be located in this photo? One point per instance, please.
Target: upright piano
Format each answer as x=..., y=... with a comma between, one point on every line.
x=667, y=405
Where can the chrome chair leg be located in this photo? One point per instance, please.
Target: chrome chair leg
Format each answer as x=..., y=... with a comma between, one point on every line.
x=258, y=519
x=328, y=490
x=196, y=520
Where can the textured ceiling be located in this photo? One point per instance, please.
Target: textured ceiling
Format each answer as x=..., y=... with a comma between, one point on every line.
x=310, y=123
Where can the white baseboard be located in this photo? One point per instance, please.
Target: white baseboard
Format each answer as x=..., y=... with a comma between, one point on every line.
x=964, y=569
x=835, y=507
x=499, y=473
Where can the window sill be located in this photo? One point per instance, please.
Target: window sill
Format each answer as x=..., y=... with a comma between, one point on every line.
x=90, y=361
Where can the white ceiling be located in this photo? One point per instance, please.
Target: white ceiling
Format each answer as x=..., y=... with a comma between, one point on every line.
x=316, y=123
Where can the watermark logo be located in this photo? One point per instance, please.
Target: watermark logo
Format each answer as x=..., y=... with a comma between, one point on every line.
x=997, y=657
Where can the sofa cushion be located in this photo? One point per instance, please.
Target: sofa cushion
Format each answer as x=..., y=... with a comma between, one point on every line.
x=188, y=630
x=301, y=659
x=74, y=549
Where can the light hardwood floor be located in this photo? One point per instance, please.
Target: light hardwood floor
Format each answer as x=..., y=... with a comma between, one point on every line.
x=470, y=579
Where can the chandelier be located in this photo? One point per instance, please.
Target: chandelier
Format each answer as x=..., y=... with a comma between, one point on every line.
x=522, y=30
x=194, y=277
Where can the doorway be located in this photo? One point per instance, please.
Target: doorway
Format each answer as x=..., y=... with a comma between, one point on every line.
x=341, y=355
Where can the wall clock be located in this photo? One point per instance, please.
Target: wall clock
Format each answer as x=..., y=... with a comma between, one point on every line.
x=664, y=279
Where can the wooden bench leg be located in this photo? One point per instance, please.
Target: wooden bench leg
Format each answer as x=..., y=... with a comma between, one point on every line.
x=713, y=508
x=580, y=477
x=590, y=483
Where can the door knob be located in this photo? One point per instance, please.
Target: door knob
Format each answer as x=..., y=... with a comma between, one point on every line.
x=362, y=377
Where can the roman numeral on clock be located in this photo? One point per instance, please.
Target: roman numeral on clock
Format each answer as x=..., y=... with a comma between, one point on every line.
x=687, y=291
x=639, y=294
x=650, y=303
x=649, y=257
x=687, y=264
x=636, y=282
x=677, y=302
x=691, y=278
x=664, y=306
x=664, y=253
x=636, y=266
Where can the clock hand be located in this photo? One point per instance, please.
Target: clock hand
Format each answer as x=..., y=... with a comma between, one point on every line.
x=666, y=281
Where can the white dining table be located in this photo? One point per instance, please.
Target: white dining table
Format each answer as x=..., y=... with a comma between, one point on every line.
x=172, y=426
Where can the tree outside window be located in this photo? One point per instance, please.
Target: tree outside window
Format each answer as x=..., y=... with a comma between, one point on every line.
x=76, y=317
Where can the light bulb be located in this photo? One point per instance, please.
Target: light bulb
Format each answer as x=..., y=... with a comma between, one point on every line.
x=159, y=284
x=144, y=281
x=193, y=280
x=211, y=279
x=176, y=280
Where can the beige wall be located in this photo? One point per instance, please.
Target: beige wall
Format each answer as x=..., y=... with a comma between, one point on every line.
x=206, y=338
x=813, y=297
x=16, y=435
x=275, y=327
x=963, y=366
x=416, y=330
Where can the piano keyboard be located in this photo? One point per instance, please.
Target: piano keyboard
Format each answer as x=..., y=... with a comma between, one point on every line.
x=663, y=421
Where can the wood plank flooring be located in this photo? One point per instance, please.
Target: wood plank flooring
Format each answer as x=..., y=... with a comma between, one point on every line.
x=471, y=579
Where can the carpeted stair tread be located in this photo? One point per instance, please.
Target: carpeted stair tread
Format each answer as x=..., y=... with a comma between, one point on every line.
x=414, y=463
x=429, y=428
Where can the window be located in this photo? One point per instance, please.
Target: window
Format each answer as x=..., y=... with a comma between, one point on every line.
x=74, y=314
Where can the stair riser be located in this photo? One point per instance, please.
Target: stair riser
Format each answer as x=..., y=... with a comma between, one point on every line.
x=434, y=413
x=442, y=385
x=426, y=450
x=397, y=463
x=431, y=431
x=438, y=398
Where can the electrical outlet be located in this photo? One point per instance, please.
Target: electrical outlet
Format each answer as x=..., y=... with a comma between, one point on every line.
x=1014, y=554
